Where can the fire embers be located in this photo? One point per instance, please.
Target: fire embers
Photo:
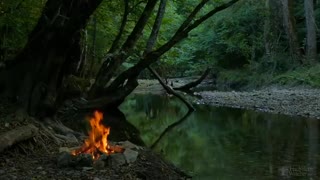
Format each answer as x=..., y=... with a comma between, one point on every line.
x=85, y=160
x=97, y=142
x=97, y=151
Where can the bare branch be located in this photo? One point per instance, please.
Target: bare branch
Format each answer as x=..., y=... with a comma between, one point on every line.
x=153, y=56
x=170, y=90
x=150, y=44
x=192, y=84
x=156, y=26
x=183, y=34
x=186, y=23
x=122, y=26
x=137, y=30
x=210, y=14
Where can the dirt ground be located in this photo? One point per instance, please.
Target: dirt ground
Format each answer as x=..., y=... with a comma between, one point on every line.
x=41, y=164
x=36, y=158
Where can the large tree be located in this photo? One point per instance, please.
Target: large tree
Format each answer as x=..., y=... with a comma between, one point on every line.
x=53, y=51
x=105, y=91
x=311, y=30
x=289, y=26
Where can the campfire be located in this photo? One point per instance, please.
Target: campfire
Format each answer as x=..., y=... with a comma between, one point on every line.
x=97, y=142
x=97, y=150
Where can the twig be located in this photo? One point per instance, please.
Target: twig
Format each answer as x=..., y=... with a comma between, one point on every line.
x=170, y=90
x=192, y=84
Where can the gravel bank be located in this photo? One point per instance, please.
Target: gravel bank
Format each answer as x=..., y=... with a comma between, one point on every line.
x=296, y=102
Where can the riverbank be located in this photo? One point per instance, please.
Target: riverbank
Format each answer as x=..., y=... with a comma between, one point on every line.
x=294, y=101
x=303, y=102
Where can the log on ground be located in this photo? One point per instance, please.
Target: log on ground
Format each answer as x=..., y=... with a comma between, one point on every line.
x=17, y=135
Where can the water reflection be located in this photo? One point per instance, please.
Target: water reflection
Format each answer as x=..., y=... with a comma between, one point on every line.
x=225, y=143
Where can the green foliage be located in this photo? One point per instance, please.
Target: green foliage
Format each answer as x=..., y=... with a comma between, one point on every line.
x=309, y=75
x=246, y=79
x=227, y=40
x=232, y=79
x=237, y=34
x=231, y=42
x=152, y=107
x=17, y=19
x=108, y=18
x=216, y=143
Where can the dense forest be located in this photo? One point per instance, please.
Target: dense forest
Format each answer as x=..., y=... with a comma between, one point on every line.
x=95, y=54
x=248, y=45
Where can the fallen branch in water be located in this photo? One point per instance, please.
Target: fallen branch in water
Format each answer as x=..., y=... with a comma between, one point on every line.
x=195, y=83
x=150, y=44
x=170, y=90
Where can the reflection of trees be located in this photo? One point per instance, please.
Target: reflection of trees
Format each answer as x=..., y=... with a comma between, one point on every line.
x=224, y=141
x=152, y=105
x=170, y=128
x=164, y=111
x=313, y=126
x=221, y=141
x=290, y=145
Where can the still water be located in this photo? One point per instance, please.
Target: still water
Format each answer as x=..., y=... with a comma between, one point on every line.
x=226, y=143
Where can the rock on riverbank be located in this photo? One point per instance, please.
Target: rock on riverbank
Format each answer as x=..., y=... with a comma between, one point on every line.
x=294, y=101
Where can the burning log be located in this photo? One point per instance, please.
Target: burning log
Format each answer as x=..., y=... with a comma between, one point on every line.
x=122, y=153
x=99, y=153
x=97, y=142
x=98, y=149
x=17, y=135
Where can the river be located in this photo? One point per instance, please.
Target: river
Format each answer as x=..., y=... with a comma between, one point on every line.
x=226, y=143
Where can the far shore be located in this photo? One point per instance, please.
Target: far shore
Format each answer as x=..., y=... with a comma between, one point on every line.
x=294, y=101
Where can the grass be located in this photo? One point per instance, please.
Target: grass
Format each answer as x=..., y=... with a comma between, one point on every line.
x=309, y=75
x=245, y=79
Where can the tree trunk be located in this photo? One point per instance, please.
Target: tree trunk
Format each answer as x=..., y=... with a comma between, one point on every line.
x=267, y=29
x=116, y=41
x=52, y=48
x=181, y=33
x=93, y=51
x=289, y=25
x=150, y=44
x=83, y=54
x=311, y=31
x=114, y=60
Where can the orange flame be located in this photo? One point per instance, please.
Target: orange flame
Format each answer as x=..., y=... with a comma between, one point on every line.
x=97, y=141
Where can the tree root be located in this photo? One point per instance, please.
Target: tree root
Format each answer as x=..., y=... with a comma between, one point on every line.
x=51, y=134
x=41, y=132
